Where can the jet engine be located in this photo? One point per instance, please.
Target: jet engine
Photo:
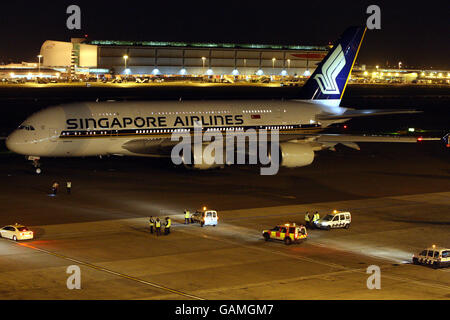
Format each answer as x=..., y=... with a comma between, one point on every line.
x=205, y=162
x=296, y=154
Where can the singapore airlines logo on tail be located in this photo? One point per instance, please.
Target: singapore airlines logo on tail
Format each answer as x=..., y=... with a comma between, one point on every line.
x=330, y=70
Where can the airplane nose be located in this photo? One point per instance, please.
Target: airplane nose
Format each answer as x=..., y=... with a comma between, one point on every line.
x=14, y=143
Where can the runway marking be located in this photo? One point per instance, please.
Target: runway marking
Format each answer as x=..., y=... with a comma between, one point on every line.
x=148, y=283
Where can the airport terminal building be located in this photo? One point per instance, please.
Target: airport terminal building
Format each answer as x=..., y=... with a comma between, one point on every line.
x=180, y=58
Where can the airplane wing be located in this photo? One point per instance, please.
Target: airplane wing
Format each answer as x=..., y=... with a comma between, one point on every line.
x=352, y=113
x=330, y=140
x=150, y=147
x=162, y=147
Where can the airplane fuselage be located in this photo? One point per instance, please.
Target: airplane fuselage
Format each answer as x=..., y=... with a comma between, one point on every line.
x=92, y=129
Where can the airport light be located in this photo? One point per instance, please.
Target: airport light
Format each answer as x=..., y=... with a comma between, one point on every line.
x=235, y=72
x=125, y=58
x=396, y=74
x=307, y=73
x=422, y=74
x=12, y=74
x=39, y=63
x=377, y=66
x=273, y=65
x=203, y=62
x=399, y=64
x=440, y=75
x=365, y=73
x=183, y=71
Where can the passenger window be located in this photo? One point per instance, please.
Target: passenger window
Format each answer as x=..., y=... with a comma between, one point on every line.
x=445, y=254
x=209, y=214
x=336, y=218
x=430, y=253
x=283, y=230
x=347, y=216
x=423, y=253
x=436, y=254
x=291, y=230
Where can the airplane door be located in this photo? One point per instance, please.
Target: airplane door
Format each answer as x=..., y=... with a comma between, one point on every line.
x=53, y=134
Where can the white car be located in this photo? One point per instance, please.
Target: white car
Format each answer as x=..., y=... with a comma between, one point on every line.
x=336, y=219
x=205, y=217
x=434, y=256
x=16, y=232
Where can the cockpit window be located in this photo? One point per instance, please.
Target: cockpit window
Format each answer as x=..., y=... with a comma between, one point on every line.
x=26, y=127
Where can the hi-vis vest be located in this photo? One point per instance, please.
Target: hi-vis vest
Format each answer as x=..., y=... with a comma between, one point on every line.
x=158, y=224
x=316, y=217
x=152, y=222
x=306, y=217
x=186, y=216
x=169, y=223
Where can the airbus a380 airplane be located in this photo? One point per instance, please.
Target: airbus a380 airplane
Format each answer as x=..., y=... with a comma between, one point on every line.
x=145, y=128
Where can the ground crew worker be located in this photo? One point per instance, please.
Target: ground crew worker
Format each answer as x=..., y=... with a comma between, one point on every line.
x=316, y=217
x=158, y=227
x=307, y=219
x=187, y=216
x=69, y=186
x=55, y=188
x=151, y=221
x=167, y=227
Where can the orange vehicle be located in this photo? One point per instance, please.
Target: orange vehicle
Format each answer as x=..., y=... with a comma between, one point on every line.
x=288, y=232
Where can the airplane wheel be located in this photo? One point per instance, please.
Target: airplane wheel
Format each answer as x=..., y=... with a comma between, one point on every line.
x=266, y=237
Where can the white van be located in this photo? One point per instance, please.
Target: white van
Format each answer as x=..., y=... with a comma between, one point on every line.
x=336, y=219
x=205, y=217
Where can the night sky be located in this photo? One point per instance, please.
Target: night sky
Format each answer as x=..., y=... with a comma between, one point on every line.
x=416, y=33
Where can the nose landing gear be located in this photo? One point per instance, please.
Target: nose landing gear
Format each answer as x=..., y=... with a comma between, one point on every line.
x=36, y=164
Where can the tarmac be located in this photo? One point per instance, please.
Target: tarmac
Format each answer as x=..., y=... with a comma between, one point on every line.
x=398, y=195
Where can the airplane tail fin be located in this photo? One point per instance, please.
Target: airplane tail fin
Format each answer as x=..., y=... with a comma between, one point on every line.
x=330, y=78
